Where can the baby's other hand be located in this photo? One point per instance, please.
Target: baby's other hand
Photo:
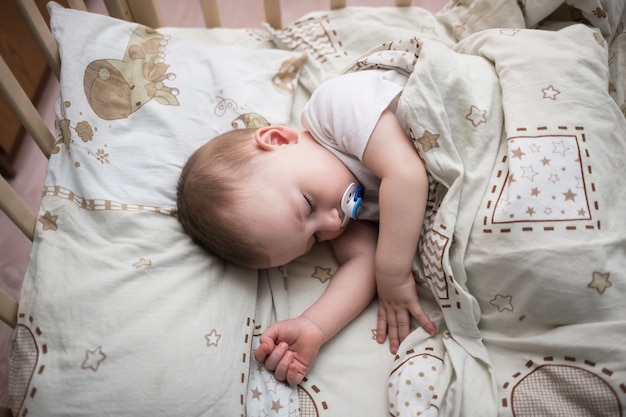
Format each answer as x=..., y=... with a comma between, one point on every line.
x=397, y=302
x=289, y=348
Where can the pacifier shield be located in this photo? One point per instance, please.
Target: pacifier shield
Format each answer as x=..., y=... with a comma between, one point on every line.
x=351, y=202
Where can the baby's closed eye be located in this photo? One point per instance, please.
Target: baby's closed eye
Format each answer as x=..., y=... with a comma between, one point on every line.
x=311, y=203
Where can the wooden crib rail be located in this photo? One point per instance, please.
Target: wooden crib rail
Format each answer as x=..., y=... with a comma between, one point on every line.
x=10, y=201
x=147, y=12
x=41, y=32
x=24, y=109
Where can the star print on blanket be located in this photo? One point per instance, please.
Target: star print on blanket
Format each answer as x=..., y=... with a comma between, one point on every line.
x=540, y=165
x=265, y=392
x=521, y=223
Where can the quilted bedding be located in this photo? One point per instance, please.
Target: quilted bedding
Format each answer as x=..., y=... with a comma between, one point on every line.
x=522, y=256
x=517, y=108
x=521, y=250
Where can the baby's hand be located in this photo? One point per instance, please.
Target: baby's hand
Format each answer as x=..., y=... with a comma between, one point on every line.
x=289, y=348
x=397, y=303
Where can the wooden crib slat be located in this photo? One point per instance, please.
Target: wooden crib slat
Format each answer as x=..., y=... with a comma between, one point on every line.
x=42, y=33
x=8, y=309
x=145, y=12
x=337, y=4
x=272, y=13
x=119, y=9
x=24, y=109
x=149, y=16
x=211, y=13
x=77, y=4
x=17, y=210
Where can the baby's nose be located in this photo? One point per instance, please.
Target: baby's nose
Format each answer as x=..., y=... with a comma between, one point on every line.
x=334, y=220
x=330, y=225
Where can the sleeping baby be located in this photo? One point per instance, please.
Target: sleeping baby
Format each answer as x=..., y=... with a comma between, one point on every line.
x=260, y=198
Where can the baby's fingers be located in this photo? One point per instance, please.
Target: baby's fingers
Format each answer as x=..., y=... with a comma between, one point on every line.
x=261, y=352
x=399, y=328
x=403, y=323
x=423, y=320
x=388, y=324
x=294, y=374
x=281, y=371
x=276, y=356
x=381, y=325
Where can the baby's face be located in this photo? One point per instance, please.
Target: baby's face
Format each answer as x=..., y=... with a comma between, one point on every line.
x=295, y=200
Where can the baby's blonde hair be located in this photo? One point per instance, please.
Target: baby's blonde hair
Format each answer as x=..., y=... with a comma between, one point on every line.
x=210, y=187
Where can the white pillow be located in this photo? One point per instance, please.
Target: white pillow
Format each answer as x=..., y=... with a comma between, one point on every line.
x=172, y=93
x=120, y=313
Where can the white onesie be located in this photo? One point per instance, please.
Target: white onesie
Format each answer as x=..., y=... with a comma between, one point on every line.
x=341, y=116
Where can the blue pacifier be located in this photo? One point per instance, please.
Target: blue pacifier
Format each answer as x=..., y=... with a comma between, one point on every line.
x=351, y=202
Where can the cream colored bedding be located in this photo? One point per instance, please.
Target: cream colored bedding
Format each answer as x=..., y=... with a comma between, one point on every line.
x=521, y=260
x=515, y=249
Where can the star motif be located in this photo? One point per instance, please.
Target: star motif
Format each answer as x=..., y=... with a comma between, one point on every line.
x=529, y=173
x=502, y=302
x=49, y=221
x=256, y=393
x=569, y=195
x=93, y=359
x=276, y=406
x=504, y=204
x=509, y=32
x=428, y=141
x=600, y=281
x=271, y=381
x=545, y=161
x=142, y=262
x=535, y=192
x=213, y=338
x=517, y=153
x=530, y=211
x=550, y=92
x=559, y=147
x=323, y=274
x=582, y=212
x=476, y=116
x=554, y=178
x=579, y=182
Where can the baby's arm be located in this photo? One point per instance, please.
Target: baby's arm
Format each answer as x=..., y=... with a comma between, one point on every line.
x=289, y=347
x=402, y=200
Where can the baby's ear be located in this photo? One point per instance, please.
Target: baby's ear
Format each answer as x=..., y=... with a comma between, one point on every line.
x=273, y=137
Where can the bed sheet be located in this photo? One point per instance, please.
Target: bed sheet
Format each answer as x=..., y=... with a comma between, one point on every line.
x=522, y=255
x=121, y=313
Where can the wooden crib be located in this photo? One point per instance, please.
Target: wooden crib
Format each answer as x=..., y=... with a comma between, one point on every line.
x=122, y=313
